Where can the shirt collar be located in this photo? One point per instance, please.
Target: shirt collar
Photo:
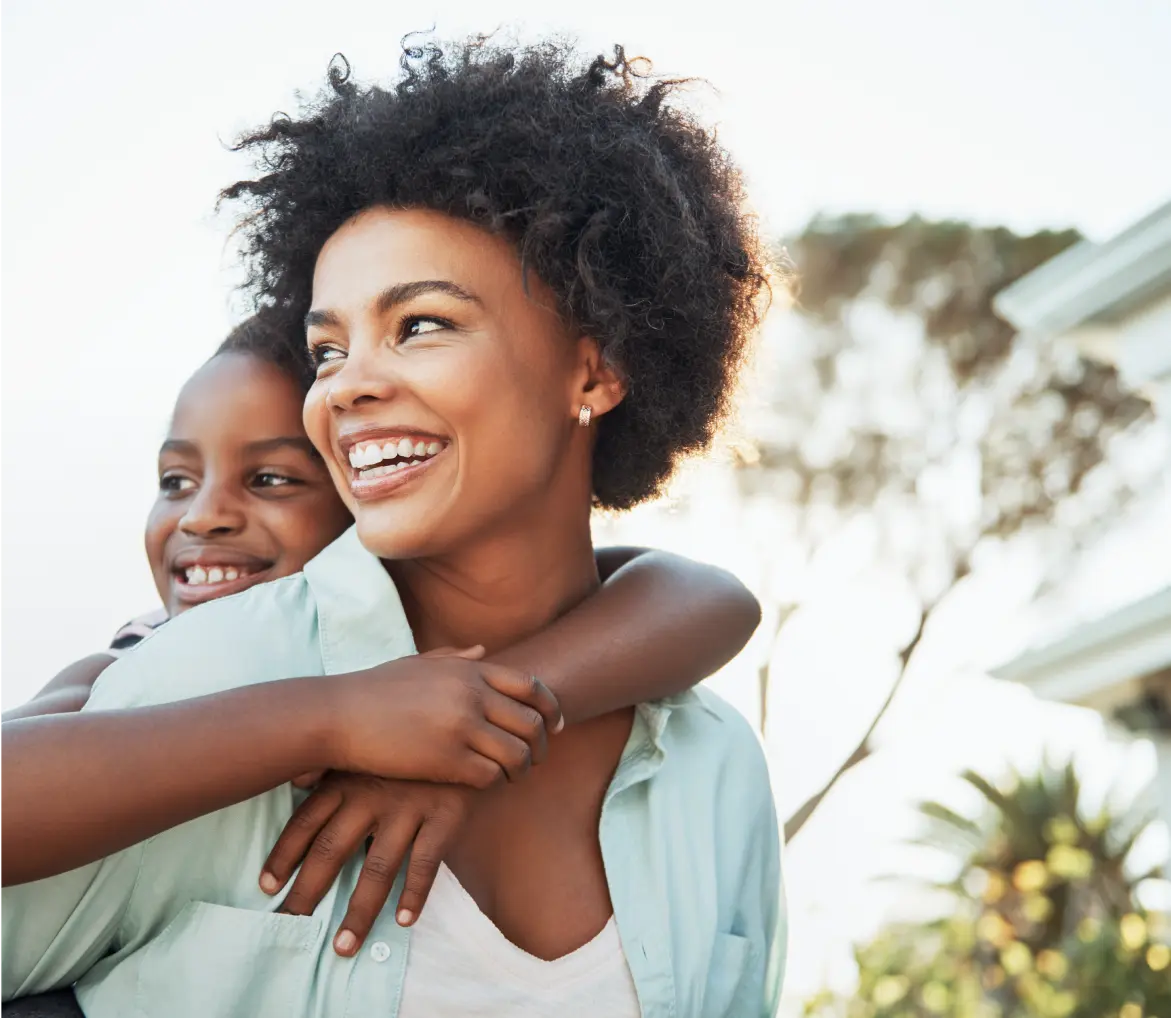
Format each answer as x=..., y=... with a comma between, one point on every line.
x=360, y=618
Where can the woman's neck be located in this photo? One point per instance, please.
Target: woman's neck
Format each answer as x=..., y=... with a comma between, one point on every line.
x=498, y=593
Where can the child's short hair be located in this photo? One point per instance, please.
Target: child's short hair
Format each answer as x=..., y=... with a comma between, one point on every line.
x=271, y=336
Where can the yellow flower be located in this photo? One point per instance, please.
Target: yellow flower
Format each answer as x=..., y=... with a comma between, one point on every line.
x=889, y=990
x=1088, y=930
x=995, y=888
x=993, y=977
x=1070, y=863
x=1061, y=831
x=1158, y=957
x=1053, y=965
x=1132, y=930
x=1016, y=958
x=1030, y=876
x=1036, y=908
x=1130, y=1010
x=935, y=997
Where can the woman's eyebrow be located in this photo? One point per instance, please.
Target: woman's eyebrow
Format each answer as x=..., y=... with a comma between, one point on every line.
x=394, y=295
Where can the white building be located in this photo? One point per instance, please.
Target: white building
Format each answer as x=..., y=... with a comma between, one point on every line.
x=1113, y=301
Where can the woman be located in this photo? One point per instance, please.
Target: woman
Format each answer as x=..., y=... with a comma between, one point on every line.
x=542, y=274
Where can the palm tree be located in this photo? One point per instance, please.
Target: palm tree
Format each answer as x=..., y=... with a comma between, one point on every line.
x=1046, y=919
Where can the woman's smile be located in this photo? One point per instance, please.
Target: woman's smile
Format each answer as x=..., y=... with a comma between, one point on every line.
x=383, y=461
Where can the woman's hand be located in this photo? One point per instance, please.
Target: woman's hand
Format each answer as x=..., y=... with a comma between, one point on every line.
x=332, y=824
x=445, y=716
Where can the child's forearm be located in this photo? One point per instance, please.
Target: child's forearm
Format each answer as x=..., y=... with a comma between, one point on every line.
x=659, y=625
x=67, y=692
x=78, y=787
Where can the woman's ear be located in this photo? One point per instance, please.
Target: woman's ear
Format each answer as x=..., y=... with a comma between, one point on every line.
x=601, y=386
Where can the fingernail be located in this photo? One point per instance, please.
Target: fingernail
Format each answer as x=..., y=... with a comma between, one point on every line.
x=560, y=724
x=345, y=942
x=405, y=917
x=268, y=883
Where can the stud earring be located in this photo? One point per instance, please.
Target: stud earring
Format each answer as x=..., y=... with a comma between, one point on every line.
x=584, y=415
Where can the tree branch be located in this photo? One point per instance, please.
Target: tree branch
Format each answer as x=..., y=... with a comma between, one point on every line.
x=863, y=749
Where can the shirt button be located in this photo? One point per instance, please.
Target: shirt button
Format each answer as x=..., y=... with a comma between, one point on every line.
x=380, y=950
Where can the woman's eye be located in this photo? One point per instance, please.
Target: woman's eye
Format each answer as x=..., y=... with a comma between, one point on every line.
x=324, y=354
x=421, y=326
x=271, y=480
x=175, y=484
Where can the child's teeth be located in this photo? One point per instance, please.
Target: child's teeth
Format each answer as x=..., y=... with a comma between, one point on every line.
x=231, y=574
x=196, y=575
x=215, y=575
x=433, y=448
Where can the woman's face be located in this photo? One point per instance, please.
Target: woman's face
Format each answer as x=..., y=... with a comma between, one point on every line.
x=446, y=398
x=243, y=496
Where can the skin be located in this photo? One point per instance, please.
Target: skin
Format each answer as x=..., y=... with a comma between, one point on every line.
x=668, y=623
x=423, y=328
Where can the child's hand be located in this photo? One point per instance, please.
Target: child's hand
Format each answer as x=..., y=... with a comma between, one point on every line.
x=444, y=716
x=331, y=826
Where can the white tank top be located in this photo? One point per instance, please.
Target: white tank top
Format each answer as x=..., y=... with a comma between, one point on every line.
x=459, y=965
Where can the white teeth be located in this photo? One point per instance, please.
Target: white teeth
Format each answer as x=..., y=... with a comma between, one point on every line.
x=432, y=449
x=389, y=451
x=354, y=459
x=231, y=574
x=405, y=447
x=373, y=455
x=198, y=575
x=215, y=575
x=420, y=449
x=414, y=463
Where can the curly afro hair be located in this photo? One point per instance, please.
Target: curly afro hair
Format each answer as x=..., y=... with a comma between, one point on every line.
x=615, y=197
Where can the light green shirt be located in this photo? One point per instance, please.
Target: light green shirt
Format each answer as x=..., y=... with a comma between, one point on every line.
x=177, y=926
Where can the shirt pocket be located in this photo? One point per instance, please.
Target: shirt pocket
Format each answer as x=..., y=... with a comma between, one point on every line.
x=213, y=961
x=731, y=990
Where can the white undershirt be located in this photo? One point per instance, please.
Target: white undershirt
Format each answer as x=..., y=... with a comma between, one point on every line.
x=459, y=964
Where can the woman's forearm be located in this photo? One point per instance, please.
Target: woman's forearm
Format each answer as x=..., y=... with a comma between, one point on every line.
x=78, y=787
x=659, y=625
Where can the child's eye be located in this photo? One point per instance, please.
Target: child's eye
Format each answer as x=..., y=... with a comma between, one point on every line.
x=175, y=484
x=268, y=479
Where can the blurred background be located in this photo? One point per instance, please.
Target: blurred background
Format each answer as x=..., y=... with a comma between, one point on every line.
x=947, y=483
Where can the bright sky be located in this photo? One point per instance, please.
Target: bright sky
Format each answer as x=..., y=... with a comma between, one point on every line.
x=115, y=284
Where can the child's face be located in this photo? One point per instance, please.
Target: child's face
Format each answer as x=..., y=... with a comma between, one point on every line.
x=243, y=496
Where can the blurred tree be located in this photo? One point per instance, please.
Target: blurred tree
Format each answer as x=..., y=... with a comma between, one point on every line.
x=1046, y=920
x=905, y=400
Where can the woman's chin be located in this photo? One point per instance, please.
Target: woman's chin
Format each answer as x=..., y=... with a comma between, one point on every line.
x=392, y=534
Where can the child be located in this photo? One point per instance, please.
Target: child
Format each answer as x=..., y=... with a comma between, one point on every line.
x=245, y=498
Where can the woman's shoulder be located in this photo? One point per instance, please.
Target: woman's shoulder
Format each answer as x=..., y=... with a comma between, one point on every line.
x=263, y=633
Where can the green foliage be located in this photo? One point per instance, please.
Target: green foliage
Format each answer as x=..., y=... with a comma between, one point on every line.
x=1045, y=924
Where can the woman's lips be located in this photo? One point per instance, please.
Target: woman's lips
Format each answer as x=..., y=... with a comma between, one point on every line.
x=368, y=484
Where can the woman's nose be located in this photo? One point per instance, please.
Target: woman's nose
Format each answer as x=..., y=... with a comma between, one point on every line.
x=358, y=382
x=214, y=512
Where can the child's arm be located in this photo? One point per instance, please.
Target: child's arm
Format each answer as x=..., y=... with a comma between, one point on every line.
x=67, y=692
x=659, y=625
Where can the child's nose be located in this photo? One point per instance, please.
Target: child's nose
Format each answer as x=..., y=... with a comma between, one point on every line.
x=212, y=513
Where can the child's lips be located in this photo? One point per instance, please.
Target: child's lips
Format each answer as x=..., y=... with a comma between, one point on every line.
x=205, y=574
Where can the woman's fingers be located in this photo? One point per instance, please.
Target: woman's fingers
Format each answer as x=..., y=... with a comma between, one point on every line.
x=517, y=719
x=340, y=839
x=299, y=833
x=527, y=689
x=383, y=860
